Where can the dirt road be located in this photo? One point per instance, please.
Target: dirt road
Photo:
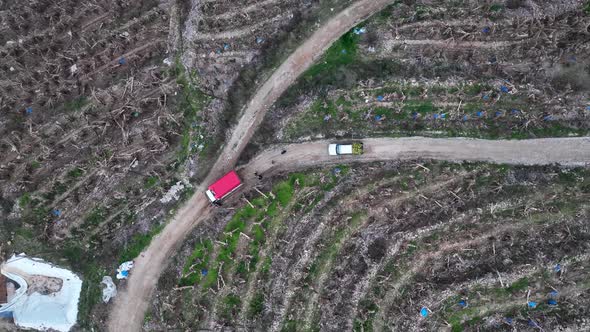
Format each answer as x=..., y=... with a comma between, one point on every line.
x=127, y=313
x=563, y=151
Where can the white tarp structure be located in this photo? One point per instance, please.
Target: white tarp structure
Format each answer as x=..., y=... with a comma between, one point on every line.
x=56, y=309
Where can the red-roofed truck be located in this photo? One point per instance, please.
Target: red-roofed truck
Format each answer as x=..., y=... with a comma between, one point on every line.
x=223, y=187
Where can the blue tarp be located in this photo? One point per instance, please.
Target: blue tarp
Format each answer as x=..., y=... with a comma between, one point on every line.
x=122, y=61
x=551, y=302
x=557, y=268
x=486, y=30
x=508, y=320
x=378, y=117
x=56, y=212
x=479, y=113
x=504, y=88
x=259, y=40
x=29, y=110
x=424, y=312
x=463, y=304
x=553, y=293
x=532, y=304
x=515, y=111
x=548, y=118
x=226, y=46
x=379, y=98
x=465, y=117
x=486, y=97
x=498, y=114
x=204, y=272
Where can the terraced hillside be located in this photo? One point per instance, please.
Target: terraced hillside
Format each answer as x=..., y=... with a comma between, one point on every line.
x=366, y=248
x=512, y=69
x=111, y=110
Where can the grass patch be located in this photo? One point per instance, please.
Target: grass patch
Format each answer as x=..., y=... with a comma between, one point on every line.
x=191, y=102
x=263, y=208
x=284, y=192
x=76, y=104
x=519, y=285
x=150, y=182
x=24, y=200
x=342, y=52
x=196, y=262
x=95, y=217
x=421, y=107
x=138, y=243
x=334, y=245
x=35, y=164
x=231, y=306
x=75, y=173
x=256, y=305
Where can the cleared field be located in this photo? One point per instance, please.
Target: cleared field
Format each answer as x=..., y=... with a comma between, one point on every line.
x=440, y=68
x=365, y=248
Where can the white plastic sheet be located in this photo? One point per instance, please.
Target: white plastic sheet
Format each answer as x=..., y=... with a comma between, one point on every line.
x=110, y=289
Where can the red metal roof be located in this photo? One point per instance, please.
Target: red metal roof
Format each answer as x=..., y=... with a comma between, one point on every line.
x=225, y=185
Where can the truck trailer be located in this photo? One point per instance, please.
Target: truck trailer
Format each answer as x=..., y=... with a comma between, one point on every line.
x=223, y=187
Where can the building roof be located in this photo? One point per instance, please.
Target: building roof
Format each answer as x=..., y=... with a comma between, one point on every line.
x=225, y=185
x=3, y=293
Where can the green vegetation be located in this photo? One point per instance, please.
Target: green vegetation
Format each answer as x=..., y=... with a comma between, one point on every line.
x=413, y=116
x=341, y=53
x=24, y=200
x=75, y=104
x=231, y=305
x=290, y=326
x=587, y=8
x=82, y=261
x=333, y=246
x=519, y=285
x=151, y=182
x=263, y=208
x=95, y=217
x=191, y=102
x=91, y=292
x=365, y=325
x=496, y=7
x=35, y=164
x=137, y=243
x=256, y=305
x=196, y=263
x=75, y=173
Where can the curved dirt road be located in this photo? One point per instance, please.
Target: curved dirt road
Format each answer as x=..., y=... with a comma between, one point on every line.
x=127, y=313
x=545, y=151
